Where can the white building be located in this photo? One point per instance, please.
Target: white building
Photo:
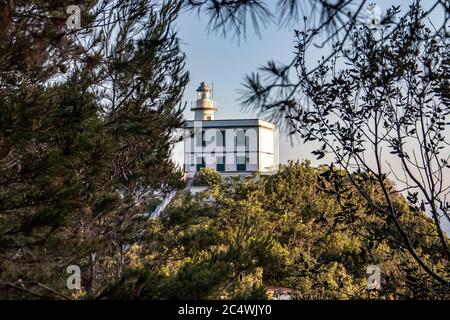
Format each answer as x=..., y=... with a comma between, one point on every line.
x=232, y=147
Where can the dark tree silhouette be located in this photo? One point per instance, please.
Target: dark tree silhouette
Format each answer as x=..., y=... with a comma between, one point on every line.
x=87, y=117
x=385, y=116
x=336, y=17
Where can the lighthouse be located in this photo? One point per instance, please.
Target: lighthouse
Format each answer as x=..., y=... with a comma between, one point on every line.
x=204, y=107
x=230, y=146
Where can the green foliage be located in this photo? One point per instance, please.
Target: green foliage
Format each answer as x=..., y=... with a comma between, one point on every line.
x=375, y=106
x=207, y=177
x=87, y=121
x=286, y=230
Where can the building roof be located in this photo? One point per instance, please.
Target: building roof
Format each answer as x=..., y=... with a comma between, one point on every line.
x=231, y=123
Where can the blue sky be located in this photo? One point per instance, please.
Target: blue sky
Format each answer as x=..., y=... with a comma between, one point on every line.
x=225, y=62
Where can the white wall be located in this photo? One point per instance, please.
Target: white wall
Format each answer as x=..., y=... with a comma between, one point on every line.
x=266, y=140
x=266, y=149
x=267, y=162
x=254, y=160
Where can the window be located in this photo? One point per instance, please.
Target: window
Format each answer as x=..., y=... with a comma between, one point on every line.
x=220, y=164
x=240, y=138
x=200, y=139
x=220, y=138
x=241, y=163
x=200, y=163
x=208, y=118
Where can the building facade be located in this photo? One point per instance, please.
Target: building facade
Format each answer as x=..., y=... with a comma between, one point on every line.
x=232, y=147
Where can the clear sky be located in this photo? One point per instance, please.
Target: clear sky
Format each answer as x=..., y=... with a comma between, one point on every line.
x=224, y=62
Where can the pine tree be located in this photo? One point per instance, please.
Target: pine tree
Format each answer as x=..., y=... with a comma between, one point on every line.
x=87, y=119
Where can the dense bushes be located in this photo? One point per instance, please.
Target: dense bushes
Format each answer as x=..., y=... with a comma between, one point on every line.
x=286, y=230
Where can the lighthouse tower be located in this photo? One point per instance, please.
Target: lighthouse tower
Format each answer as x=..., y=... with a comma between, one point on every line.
x=204, y=108
x=230, y=146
